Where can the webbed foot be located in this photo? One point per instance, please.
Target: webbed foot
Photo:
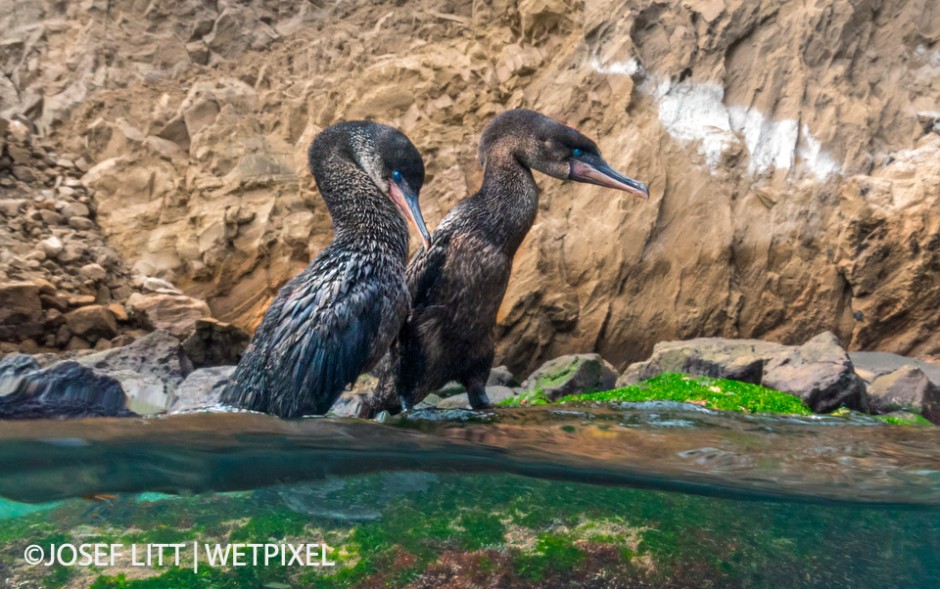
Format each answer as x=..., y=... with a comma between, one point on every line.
x=478, y=399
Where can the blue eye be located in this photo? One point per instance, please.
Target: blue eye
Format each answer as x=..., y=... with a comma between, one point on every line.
x=396, y=176
x=576, y=152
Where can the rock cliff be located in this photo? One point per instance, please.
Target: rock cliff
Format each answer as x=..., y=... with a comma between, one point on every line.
x=793, y=151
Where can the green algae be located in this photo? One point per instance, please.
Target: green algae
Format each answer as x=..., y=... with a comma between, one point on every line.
x=904, y=418
x=714, y=393
x=553, y=553
x=512, y=531
x=554, y=379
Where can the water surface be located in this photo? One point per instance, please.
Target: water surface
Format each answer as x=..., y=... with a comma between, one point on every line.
x=637, y=495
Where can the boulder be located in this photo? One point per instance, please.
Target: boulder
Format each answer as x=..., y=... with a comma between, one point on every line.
x=157, y=285
x=20, y=310
x=907, y=388
x=13, y=368
x=150, y=370
x=496, y=393
x=871, y=365
x=575, y=373
x=716, y=357
x=353, y=402
x=202, y=388
x=67, y=389
x=92, y=323
x=214, y=343
x=176, y=314
x=819, y=372
x=501, y=376
x=459, y=401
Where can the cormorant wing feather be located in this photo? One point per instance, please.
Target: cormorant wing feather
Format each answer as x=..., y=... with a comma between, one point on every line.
x=425, y=271
x=319, y=336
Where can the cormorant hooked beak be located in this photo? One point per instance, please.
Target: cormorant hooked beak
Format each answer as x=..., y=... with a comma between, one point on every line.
x=407, y=201
x=594, y=170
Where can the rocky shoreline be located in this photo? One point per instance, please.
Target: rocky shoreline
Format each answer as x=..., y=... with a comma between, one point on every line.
x=161, y=373
x=79, y=327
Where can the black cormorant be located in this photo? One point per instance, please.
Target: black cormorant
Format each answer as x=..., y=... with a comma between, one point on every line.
x=338, y=317
x=458, y=283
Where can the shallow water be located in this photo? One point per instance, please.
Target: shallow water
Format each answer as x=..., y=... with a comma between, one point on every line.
x=649, y=494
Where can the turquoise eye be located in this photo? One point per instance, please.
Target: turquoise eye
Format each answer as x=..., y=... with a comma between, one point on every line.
x=396, y=176
x=576, y=152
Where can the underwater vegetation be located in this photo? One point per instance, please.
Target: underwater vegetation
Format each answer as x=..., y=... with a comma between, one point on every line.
x=495, y=531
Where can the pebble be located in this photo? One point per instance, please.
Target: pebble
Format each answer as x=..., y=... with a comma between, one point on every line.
x=81, y=223
x=75, y=209
x=93, y=272
x=51, y=217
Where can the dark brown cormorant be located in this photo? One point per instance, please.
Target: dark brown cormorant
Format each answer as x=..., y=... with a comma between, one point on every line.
x=458, y=283
x=338, y=317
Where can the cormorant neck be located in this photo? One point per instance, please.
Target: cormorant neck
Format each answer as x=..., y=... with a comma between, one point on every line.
x=363, y=217
x=509, y=197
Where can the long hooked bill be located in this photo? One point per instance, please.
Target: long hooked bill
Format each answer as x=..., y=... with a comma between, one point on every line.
x=407, y=201
x=598, y=172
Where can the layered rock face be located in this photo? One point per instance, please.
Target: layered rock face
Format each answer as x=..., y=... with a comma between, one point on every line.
x=792, y=149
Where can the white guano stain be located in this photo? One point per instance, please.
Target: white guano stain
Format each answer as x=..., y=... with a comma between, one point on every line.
x=695, y=113
x=619, y=68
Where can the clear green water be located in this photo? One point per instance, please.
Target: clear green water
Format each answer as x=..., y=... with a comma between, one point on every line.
x=647, y=495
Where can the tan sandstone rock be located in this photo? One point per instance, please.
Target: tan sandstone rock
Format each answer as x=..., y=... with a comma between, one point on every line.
x=794, y=163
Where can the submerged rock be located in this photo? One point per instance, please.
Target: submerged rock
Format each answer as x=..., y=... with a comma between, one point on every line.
x=575, y=373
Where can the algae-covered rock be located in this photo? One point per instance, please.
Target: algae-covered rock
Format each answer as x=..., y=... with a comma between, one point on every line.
x=820, y=371
x=572, y=374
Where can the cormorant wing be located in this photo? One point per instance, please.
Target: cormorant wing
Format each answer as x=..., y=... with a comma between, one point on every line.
x=425, y=271
x=324, y=338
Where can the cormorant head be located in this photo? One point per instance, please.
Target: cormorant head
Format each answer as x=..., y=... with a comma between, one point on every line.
x=386, y=156
x=542, y=143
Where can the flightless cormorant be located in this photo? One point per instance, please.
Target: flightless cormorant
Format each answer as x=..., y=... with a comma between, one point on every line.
x=338, y=317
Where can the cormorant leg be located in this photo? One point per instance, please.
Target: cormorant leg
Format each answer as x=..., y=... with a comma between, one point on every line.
x=476, y=393
x=407, y=401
